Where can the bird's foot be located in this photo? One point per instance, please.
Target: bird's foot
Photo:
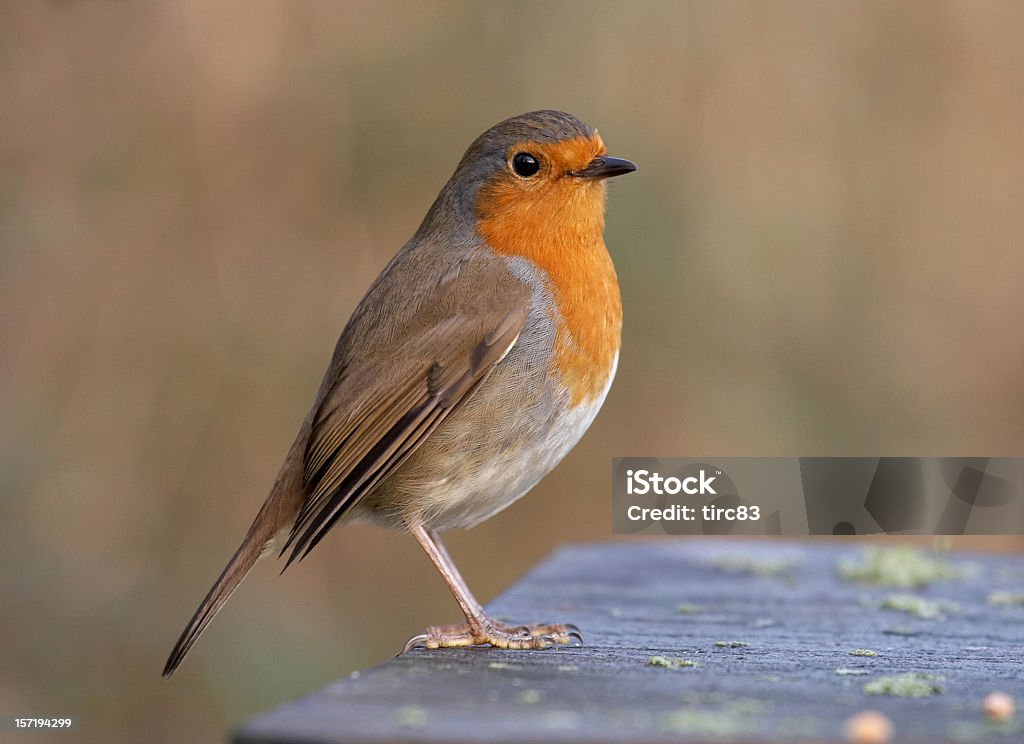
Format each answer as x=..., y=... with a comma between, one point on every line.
x=497, y=634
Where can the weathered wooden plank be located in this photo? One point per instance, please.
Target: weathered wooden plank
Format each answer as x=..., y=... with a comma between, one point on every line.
x=793, y=679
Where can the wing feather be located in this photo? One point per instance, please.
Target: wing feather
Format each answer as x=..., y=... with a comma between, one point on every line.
x=376, y=416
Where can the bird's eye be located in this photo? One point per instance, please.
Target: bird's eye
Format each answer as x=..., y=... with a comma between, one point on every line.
x=525, y=164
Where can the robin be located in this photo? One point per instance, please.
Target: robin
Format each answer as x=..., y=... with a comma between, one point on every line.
x=475, y=362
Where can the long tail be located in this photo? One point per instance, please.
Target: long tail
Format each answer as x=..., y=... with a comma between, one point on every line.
x=237, y=569
x=278, y=513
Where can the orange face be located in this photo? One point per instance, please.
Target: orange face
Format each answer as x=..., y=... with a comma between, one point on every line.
x=555, y=219
x=550, y=205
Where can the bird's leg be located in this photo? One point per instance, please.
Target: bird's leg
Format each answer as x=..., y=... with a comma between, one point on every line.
x=479, y=629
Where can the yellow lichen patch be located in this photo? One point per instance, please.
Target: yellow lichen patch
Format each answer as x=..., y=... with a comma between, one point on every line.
x=666, y=662
x=911, y=684
x=903, y=566
x=926, y=609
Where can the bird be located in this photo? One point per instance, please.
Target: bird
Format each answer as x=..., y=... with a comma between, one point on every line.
x=474, y=363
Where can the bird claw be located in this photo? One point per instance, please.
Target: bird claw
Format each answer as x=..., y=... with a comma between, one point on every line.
x=497, y=635
x=417, y=641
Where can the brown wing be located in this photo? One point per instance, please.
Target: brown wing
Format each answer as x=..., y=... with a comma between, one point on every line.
x=380, y=410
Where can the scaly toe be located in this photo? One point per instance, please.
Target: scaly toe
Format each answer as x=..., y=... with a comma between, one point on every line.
x=560, y=633
x=498, y=635
x=543, y=635
x=514, y=630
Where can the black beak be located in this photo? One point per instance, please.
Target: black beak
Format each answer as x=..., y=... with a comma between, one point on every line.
x=605, y=167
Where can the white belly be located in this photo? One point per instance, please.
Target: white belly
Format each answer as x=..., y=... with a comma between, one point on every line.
x=462, y=490
x=502, y=482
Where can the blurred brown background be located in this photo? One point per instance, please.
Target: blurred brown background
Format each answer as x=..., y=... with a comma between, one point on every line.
x=821, y=254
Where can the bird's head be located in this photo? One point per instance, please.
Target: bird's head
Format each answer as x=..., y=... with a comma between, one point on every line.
x=537, y=177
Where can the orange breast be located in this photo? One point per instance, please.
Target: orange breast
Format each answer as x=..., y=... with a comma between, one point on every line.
x=559, y=226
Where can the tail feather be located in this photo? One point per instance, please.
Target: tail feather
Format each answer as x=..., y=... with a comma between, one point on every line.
x=236, y=570
x=274, y=520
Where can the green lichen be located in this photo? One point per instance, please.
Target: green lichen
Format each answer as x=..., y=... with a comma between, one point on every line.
x=411, y=716
x=903, y=566
x=927, y=609
x=731, y=644
x=667, y=662
x=530, y=697
x=704, y=722
x=863, y=652
x=689, y=609
x=1006, y=599
x=911, y=684
x=729, y=717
